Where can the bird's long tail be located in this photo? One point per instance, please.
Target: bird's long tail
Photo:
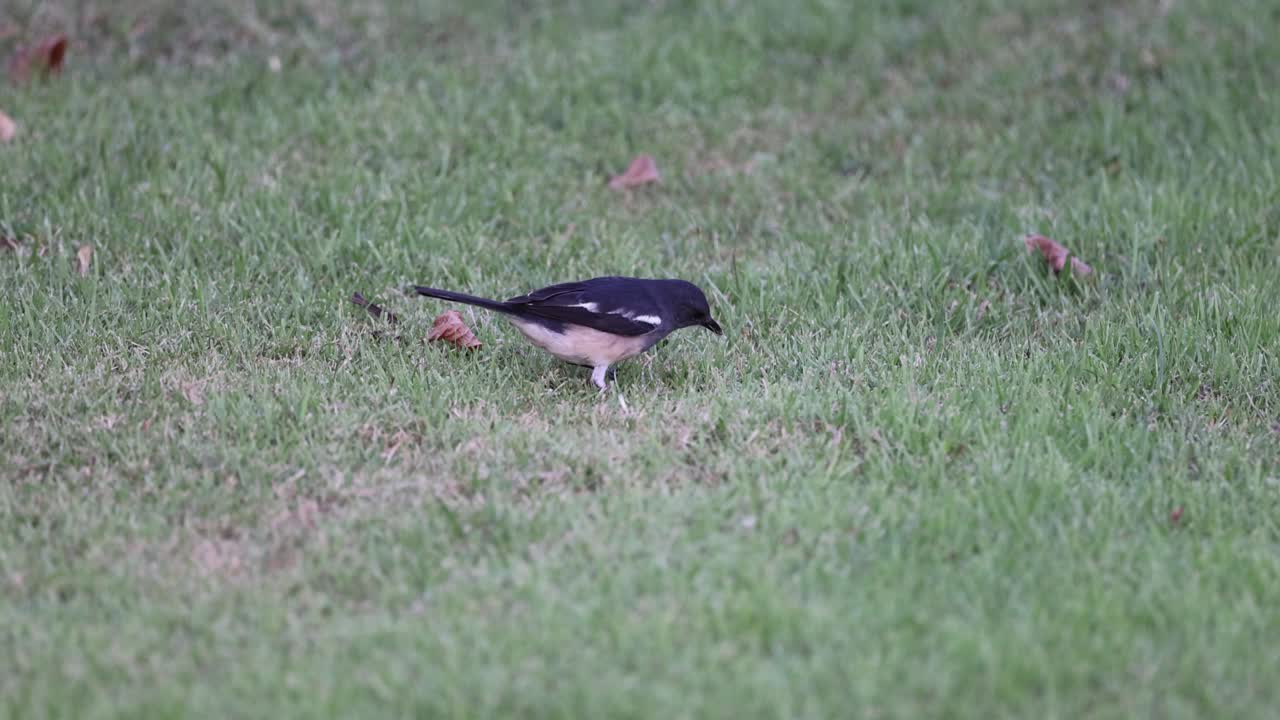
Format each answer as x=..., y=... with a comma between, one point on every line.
x=462, y=298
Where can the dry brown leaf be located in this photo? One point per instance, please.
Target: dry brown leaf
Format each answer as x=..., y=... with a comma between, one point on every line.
x=642, y=171
x=52, y=53
x=1056, y=255
x=450, y=328
x=84, y=256
x=47, y=57
x=8, y=128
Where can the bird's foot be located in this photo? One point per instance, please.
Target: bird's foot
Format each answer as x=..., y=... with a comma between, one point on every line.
x=597, y=376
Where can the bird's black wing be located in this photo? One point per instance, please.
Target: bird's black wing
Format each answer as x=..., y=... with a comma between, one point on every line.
x=620, y=306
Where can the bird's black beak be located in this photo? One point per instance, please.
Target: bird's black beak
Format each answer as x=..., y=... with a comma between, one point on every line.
x=713, y=326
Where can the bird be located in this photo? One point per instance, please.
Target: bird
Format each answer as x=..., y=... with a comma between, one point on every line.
x=600, y=322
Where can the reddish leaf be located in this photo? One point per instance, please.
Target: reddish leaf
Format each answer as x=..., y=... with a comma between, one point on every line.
x=643, y=170
x=1175, y=517
x=52, y=53
x=1056, y=255
x=450, y=328
x=84, y=256
x=47, y=57
x=8, y=128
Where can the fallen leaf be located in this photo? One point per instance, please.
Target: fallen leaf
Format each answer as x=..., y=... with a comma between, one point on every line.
x=47, y=57
x=85, y=256
x=642, y=171
x=9, y=243
x=1056, y=255
x=374, y=310
x=8, y=128
x=1175, y=517
x=449, y=327
x=53, y=52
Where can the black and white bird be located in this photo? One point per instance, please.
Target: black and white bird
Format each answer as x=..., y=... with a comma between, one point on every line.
x=599, y=322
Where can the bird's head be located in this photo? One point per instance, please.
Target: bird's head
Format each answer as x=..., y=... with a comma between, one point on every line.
x=691, y=307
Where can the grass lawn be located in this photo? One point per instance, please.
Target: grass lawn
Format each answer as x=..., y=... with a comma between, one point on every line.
x=919, y=476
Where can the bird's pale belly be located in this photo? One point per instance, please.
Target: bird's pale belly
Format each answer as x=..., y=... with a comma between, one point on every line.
x=585, y=346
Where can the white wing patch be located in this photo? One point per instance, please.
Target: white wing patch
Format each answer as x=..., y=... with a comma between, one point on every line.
x=653, y=320
x=588, y=306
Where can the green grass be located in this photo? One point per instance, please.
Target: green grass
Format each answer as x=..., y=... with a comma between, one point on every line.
x=918, y=477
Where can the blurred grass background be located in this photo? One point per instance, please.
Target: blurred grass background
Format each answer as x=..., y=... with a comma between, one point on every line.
x=919, y=477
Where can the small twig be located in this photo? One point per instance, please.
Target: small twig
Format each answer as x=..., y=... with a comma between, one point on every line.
x=374, y=310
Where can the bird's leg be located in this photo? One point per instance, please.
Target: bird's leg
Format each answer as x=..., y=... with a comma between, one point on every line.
x=622, y=400
x=597, y=376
